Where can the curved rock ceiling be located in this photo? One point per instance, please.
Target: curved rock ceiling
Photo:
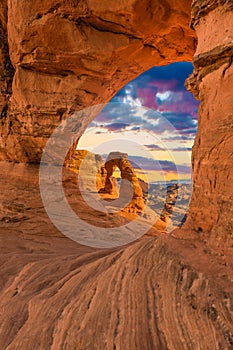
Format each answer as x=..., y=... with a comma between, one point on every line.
x=70, y=55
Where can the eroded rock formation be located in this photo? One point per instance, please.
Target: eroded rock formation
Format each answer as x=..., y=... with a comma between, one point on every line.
x=69, y=55
x=130, y=185
x=174, y=292
x=211, y=209
x=97, y=176
x=153, y=294
x=92, y=168
x=6, y=72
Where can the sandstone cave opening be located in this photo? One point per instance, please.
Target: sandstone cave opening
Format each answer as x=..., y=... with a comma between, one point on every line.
x=150, y=124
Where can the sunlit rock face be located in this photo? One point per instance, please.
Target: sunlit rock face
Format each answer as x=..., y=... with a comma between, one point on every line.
x=69, y=55
x=97, y=176
x=92, y=169
x=173, y=292
x=211, y=208
x=130, y=187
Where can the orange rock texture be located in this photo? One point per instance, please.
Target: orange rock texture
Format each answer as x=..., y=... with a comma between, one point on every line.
x=130, y=185
x=69, y=55
x=211, y=209
x=171, y=292
x=98, y=177
x=157, y=293
x=92, y=168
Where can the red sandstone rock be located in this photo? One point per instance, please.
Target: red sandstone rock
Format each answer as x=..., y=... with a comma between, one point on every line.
x=130, y=187
x=166, y=293
x=70, y=55
x=211, y=207
x=57, y=294
x=98, y=177
x=92, y=168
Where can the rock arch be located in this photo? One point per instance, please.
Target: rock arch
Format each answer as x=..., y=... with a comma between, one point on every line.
x=130, y=187
x=70, y=55
x=165, y=293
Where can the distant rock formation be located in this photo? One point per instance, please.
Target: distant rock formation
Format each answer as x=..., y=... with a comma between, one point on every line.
x=171, y=197
x=164, y=220
x=130, y=185
x=97, y=176
x=92, y=167
x=172, y=292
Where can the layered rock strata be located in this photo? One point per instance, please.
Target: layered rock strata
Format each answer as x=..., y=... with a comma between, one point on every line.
x=97, y=176
x=70, y=55
x=157, y=293
x=211, y=208
x=92, y=169
x=174, y=292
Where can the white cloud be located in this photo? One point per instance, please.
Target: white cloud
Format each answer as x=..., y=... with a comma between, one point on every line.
x=128, y=99
x=164, y=96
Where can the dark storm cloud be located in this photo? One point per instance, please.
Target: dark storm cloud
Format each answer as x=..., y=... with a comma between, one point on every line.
x=135, y=128
x=178, y=138
x=182, y=122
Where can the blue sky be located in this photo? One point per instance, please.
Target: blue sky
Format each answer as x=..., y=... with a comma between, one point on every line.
x=154, y=111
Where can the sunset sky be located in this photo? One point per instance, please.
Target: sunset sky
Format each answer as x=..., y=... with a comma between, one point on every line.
x=154, y=120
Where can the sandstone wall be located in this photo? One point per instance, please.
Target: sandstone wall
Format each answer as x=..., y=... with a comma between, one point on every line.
x=6, y=76
x=174, y=292
x=69, y=55
x=211, y=207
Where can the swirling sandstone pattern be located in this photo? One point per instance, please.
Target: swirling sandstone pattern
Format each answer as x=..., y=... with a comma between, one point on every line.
x=172, y=292
x=157, y=293
x=142, y=298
